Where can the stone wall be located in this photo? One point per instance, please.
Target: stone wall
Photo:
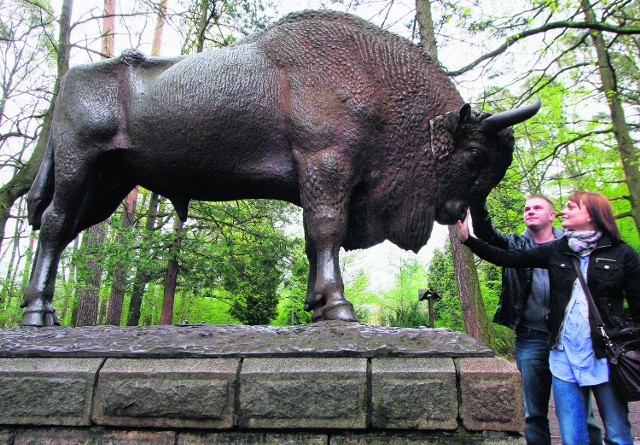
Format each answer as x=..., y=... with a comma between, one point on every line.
x=345, y=394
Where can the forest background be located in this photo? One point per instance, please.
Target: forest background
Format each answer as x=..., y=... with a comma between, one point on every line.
x=243, y=262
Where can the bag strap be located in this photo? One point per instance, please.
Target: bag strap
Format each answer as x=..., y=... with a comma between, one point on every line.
x=593, y=309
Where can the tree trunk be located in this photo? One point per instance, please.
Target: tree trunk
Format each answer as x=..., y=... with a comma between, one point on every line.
x=202, y=26
x=172, y=274
x=142, y=277
x=72, y=279
x=14, y=260
x=474, y=315
x=114, y=311
x=173, y=265
x=108, y=28
x=114, y=304
x=157, y=34
x=91, y=280
x=425, y=28
x=89, y=277
x=21, y=182
x=28, y=261
x=626, y=147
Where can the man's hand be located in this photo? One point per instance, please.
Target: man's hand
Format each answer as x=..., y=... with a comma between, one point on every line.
x=463, y=228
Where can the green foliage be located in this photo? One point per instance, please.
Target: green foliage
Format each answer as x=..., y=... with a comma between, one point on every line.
x=401, y=306
x=236, y=253
x=236, y=263
x=293, y=289
x=10, y=311
x=441, y=277
x=491, y=286
x=448, y=312
x=218, y=23
x=365, y=302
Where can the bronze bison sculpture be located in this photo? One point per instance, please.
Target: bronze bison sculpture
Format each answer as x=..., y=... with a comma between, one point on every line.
x=356, y=125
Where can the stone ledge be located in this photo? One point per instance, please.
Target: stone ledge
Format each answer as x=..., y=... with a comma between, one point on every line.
x=196, y=384
x=323, y=339
x=275, y=393
x=102, y=436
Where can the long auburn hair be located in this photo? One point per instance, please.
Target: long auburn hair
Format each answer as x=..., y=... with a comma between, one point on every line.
x=600, y=210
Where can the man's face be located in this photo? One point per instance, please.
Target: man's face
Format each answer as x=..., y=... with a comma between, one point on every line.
x=538, y=213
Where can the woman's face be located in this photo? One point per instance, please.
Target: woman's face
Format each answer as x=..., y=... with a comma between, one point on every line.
x=576, y=218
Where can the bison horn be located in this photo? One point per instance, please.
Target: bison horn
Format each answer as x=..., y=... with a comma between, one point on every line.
x=508, y=118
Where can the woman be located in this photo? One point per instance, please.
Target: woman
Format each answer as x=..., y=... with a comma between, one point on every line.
x=577, y=360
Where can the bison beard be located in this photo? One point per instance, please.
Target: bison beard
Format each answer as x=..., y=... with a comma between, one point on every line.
x=356, y=125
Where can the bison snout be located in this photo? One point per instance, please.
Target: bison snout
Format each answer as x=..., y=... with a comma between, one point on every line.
x=451, y=212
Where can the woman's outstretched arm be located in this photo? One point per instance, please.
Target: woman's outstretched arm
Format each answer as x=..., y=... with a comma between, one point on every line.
x=537, y=257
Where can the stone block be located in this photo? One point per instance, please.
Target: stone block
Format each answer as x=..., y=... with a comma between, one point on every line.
x=166, y=393
x=427, y=438
x=491, y=395
x=414, y=393
x=47, y=391
x=6, y=437
x=303, y=393
x=94, y=436
x=242, y=438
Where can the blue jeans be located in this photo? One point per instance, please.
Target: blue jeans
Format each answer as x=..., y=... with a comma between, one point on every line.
x=571, y=409
x=532, y=359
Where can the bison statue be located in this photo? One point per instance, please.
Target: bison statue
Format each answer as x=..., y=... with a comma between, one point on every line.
x=356, y=125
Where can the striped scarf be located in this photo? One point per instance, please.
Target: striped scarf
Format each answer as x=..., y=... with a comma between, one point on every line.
x=583, y=242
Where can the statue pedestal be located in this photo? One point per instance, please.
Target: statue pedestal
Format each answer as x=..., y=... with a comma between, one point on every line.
x=330, y=382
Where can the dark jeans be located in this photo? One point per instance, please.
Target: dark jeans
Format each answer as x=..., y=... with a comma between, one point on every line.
x=532, y=359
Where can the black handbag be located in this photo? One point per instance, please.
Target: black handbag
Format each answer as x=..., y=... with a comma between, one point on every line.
x=623, y=352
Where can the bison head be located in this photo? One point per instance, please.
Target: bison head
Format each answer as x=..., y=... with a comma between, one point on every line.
x=473, y=151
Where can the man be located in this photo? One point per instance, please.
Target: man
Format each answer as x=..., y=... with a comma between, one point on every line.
x=523, y=307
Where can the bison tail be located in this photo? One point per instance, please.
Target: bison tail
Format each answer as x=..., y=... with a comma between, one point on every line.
x=41, y=192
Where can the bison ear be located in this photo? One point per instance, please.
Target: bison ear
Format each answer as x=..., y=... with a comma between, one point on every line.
x=465, y=112
x=443, y=128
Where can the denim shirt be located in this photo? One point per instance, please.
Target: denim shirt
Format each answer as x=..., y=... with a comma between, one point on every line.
x=572, y=359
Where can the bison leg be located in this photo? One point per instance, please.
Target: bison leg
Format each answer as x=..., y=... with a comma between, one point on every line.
x=78, y=202
x=311, y=303
x=324, y=185
x=55, y=233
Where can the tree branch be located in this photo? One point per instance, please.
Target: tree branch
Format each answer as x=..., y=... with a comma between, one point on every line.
x=542, y=29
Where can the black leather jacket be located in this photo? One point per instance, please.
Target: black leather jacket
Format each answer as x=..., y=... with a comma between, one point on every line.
x=516, y=283
x=613, y=274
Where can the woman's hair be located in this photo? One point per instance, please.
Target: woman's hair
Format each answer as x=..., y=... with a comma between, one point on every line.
x=600, y=210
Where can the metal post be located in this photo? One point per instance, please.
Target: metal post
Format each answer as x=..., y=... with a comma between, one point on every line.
x=431, y=296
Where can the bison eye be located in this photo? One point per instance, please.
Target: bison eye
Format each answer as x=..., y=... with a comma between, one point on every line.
x=474, y=157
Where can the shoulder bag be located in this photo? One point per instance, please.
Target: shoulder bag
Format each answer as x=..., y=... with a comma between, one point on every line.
x=623, y=352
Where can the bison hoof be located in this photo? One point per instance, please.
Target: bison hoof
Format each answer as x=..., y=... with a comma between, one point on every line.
x=313, y=301
x=318, y=315
x=339, y=310
x=41, y=317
